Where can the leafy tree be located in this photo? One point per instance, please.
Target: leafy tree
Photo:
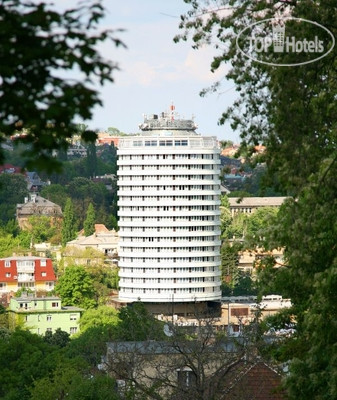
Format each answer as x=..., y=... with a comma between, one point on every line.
x=242, y=285
x=72, y=379
x=136, y=323
x=286, y=118
x=83, y=192
x=69, y=226
x=101, y=316
x=91, y=344
x=239, y=193
x=56, y=193
x=109, y=155
x=34, y=97
x=226, y=143
x=261, y=220
x=75, y=287
x=13, y=190
x=44, y=229
x=91, y=160
x=113, y=224
x=25, y=239
x=292, y=111
x=238, y=228
x=24, y=357
x=89, y=222
x=3, y=322
x=7, y=244
x=105, y=280
x=225, y=216
x=115, y=132
x=230, y=260
x=58, y=338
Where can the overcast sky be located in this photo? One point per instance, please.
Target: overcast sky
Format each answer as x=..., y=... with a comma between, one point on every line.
x=154, y=71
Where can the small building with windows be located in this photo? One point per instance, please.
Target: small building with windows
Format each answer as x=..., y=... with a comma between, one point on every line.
x=248, y=205
x=42, y=314
x=26, y=272
x=37, y=206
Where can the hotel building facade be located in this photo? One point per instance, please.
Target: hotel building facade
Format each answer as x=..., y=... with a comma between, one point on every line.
x=169, y=218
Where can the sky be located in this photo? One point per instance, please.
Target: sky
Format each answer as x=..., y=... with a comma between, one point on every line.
x=155, y=72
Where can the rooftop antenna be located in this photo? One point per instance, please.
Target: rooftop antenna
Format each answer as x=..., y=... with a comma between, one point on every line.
x=172, y=108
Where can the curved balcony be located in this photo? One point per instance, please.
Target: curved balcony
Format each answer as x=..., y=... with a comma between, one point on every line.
x=138, y=233
x=170, y=298
x=171, y=253
x=166, y=275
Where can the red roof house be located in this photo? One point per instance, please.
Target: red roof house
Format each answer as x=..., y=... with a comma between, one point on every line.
x=19, y=272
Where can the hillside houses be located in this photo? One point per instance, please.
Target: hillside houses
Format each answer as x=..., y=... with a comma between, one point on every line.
x=35, y=205
x=102, y=239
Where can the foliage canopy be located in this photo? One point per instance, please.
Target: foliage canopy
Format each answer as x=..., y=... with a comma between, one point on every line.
x=292, y=111
x=38, y=47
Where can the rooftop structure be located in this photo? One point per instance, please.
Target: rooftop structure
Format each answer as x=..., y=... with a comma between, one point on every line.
x=167, y=121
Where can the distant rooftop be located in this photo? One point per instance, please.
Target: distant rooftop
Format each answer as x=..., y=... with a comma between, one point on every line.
x=256, y=201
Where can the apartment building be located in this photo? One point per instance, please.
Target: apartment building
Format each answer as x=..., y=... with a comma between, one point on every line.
x=169, y=218
x=26, y=272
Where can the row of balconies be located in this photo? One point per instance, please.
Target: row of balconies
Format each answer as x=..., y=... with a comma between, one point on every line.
x=177, y=245
x=179, y=170
x=172, y=156
x=139, y=191
x=164, y=207
x=152, y=180
x=167, y=161
x=161, y=214
x=202, y=253
x=172, y=233
x=170, y=285
x=153, y=265
x=168, y=223
x=167, y=275
x=198, y=144
x=143, y=237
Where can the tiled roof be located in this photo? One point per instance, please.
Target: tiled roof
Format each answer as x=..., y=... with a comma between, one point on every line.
x=38, y=269
x=255, y=381
x=39, y=205
x=48, y=269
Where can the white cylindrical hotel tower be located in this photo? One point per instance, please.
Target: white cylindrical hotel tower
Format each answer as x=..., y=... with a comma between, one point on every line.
x=169, y=218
